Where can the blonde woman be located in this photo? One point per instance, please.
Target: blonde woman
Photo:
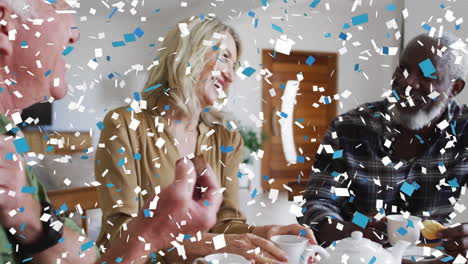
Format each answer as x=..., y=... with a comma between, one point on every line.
x=142, y=144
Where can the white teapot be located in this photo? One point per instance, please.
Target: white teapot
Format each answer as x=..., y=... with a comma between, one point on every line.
x=358, y=250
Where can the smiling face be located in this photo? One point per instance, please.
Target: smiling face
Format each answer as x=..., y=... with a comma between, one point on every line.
x=218, y=72
x=415, y=109
x=36, y=61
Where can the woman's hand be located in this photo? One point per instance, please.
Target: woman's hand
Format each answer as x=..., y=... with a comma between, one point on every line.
x=273, y=230
x=247, y=245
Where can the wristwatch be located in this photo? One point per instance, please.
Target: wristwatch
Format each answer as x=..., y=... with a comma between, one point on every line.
x=52, y=232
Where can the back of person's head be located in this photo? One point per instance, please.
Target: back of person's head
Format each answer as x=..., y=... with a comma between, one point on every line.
x=179, y=52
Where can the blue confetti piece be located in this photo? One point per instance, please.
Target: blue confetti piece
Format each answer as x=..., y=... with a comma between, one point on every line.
x=29, y=189
x=138, y=32
x=202, y=17
x=264, y=2
x=343, y=36
x=426, y=27
x=300, y=159
x=327, y=35
x=121, y=162
x=373, y=259
x=265, y=177
x=119, y=259
x=100, y=125
x=385, y=50
x=1, y=89
x=391, y=7
x=207, y=109
x=26, y=260
x=64, y=208
x=338, y=154
x=282, y=86
x=215, y=48
x=251, y=14
x=283, y=115
x=454, y=183
x=277, y=28
x=67, y=50
x=21, y=145
x=256, y=23
x=9, y=156
x=248, y=71
x=147, y=213
x=356, y=67
x=314, y=3
x=300, y=120
x=206, y=203
x=335, y=174
x=407, y=189
x=225, y=149
x=360, y=219
x=157, y=10
x=446, y=259
x=136, y=95
x=410, y=224
x=47, y=73
x=326, y=100
x=110, y=76
x=87, y=245
x=427, y=68
x=152, y=87
x=254, y=193
x=310, y=60
x=359, y=20
x=457, y=27
x=52, y=1
x=129, y=37
x=117, y=44
x=137, y=156
x=24, y=44
x=112, y=13
x=396, y=95
x=346, y=26
x=402, y=231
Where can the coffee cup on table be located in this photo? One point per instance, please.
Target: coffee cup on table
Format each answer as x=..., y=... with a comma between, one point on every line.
x=297, y=248
x=404, y=228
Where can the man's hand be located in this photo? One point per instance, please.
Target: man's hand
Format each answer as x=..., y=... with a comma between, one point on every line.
x=190, y=198
x=12, y=180
x=273, y=230
x=455, y=239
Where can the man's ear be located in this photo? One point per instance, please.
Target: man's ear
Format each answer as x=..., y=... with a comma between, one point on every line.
x=6, y=45
x=457, y=87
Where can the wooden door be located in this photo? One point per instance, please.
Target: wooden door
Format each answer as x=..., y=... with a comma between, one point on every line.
x=314, y=120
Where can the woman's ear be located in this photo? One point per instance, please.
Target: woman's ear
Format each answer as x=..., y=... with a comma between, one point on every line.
x=6, y=45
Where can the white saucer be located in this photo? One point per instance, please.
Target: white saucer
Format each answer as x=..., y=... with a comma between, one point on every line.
x=418, y=254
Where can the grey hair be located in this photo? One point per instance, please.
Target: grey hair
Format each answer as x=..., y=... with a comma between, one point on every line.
x=18, y=7
x=449, y=56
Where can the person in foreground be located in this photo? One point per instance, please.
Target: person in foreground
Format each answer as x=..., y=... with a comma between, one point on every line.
x=180, y=115
x=30, y=229
x=405, y=154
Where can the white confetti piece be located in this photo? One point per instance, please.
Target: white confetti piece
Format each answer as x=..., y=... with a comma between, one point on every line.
x=183, y=27
x=219, y=242
x=443, y=124
x=92, y=64
x=160, y=142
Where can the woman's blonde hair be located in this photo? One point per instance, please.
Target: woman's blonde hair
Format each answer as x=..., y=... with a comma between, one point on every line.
x=168, y=81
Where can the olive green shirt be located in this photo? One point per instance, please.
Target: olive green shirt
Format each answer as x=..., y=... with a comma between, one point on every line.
x=134, y=158
x=7, y=245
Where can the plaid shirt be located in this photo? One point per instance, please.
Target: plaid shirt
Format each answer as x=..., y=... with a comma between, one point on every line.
x=376, y=178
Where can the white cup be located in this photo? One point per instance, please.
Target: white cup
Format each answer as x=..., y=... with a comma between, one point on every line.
x=222, y=258
x=297, y=248
x=410, y=229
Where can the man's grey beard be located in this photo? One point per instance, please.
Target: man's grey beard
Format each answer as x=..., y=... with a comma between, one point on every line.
x=419, y=119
